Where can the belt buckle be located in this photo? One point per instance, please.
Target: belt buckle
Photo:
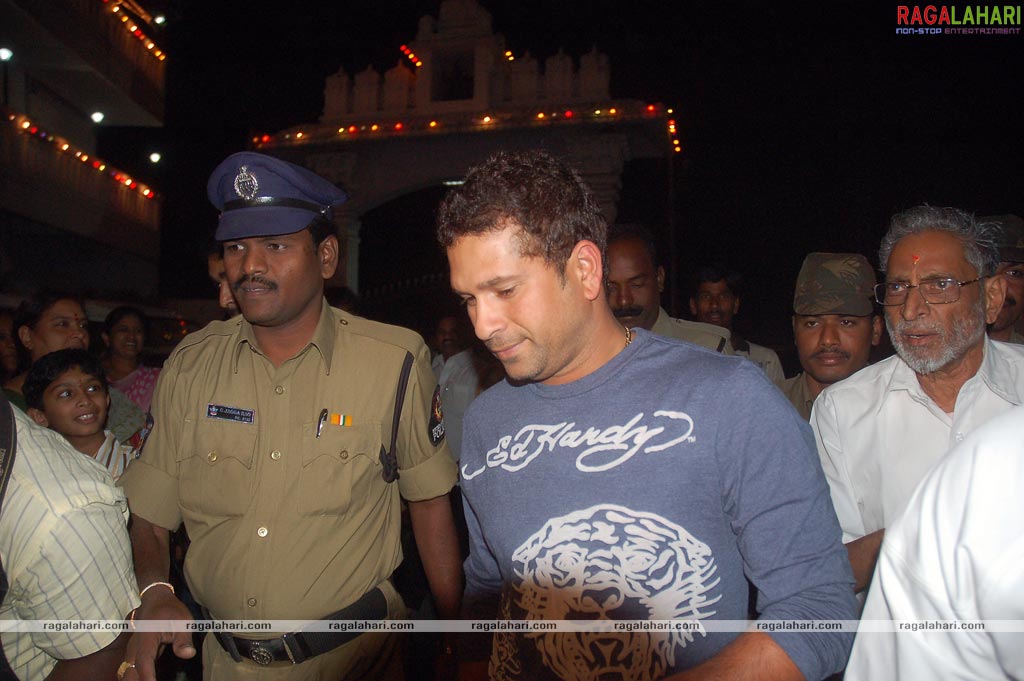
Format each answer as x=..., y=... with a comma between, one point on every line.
x=260, y=655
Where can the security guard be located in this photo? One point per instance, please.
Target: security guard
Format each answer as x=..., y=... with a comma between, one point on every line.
x=834, y=324
x=283, y=439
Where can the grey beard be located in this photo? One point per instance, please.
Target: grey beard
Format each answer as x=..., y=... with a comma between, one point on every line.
x=965, y=334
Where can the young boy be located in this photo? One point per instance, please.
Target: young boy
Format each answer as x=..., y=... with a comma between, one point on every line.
x=66, y=391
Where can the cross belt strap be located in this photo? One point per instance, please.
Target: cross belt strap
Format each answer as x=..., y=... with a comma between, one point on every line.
x=389, y=457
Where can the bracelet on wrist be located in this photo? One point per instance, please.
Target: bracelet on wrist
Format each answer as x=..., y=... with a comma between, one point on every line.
x=167, y=584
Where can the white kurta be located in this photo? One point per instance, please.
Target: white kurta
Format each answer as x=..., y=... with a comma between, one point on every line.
x=955, y=554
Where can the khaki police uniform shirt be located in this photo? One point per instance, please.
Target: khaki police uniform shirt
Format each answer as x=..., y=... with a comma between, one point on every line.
x=705, y=335
x=285, y=524
x=799, y=395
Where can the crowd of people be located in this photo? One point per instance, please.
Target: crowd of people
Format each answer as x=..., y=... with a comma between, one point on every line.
x=563, y=449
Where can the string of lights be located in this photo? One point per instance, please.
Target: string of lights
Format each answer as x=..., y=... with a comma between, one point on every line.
x=323, y=133
x=132, y=27
x=411, y=56
x=61, y=146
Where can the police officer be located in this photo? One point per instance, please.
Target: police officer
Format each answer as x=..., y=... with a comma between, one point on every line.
x=634, y=285
x=283, y=439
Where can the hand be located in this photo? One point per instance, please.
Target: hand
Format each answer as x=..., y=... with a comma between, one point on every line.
x=145, y=646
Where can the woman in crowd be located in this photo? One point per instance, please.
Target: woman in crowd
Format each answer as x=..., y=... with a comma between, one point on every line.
x=41, y=325
x=124, y=335
x=52, y=321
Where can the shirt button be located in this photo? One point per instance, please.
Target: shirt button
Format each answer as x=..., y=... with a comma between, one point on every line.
x=279, y=390
x=251, y=602
x=344, y=454
x=212, y=456
x=263, y=532
x=275, y=455
x=959, y=437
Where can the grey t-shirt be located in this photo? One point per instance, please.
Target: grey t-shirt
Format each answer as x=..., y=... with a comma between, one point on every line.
x=649, y=489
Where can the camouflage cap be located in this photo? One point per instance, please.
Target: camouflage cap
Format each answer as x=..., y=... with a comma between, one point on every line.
x=835, y=283
x=1011, y=236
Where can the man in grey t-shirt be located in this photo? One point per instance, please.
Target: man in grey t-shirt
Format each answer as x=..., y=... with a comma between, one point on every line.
x=601, y=480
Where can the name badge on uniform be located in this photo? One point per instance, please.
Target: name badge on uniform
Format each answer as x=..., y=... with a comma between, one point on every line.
x=219, y=411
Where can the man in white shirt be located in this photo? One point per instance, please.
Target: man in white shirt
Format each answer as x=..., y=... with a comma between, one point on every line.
x=955, y=554
x=880, y=431
x=457, y=377
x=459, y=383
x=448, y=341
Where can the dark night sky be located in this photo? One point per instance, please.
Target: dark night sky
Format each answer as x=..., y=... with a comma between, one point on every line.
x=804, y=128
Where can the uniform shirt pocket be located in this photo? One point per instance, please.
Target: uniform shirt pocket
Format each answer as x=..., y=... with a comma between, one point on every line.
x=215, y=475
x=341, y=468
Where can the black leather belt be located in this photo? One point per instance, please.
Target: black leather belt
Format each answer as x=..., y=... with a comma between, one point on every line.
x=299, y=646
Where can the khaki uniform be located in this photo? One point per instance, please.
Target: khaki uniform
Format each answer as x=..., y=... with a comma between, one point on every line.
x=705, y=335
x=799, y=395
x=765, y=358
x=285, y=524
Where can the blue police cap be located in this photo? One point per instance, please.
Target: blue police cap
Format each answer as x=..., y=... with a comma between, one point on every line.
x=259, y=195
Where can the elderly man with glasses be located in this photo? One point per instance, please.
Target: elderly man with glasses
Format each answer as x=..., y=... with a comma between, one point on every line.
x=880, y=431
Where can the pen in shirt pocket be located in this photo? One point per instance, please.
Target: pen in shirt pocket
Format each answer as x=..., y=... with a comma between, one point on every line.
x=320, y=422
x=344, y=420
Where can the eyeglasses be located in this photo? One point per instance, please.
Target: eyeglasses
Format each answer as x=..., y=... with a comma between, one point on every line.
x=936, y=291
